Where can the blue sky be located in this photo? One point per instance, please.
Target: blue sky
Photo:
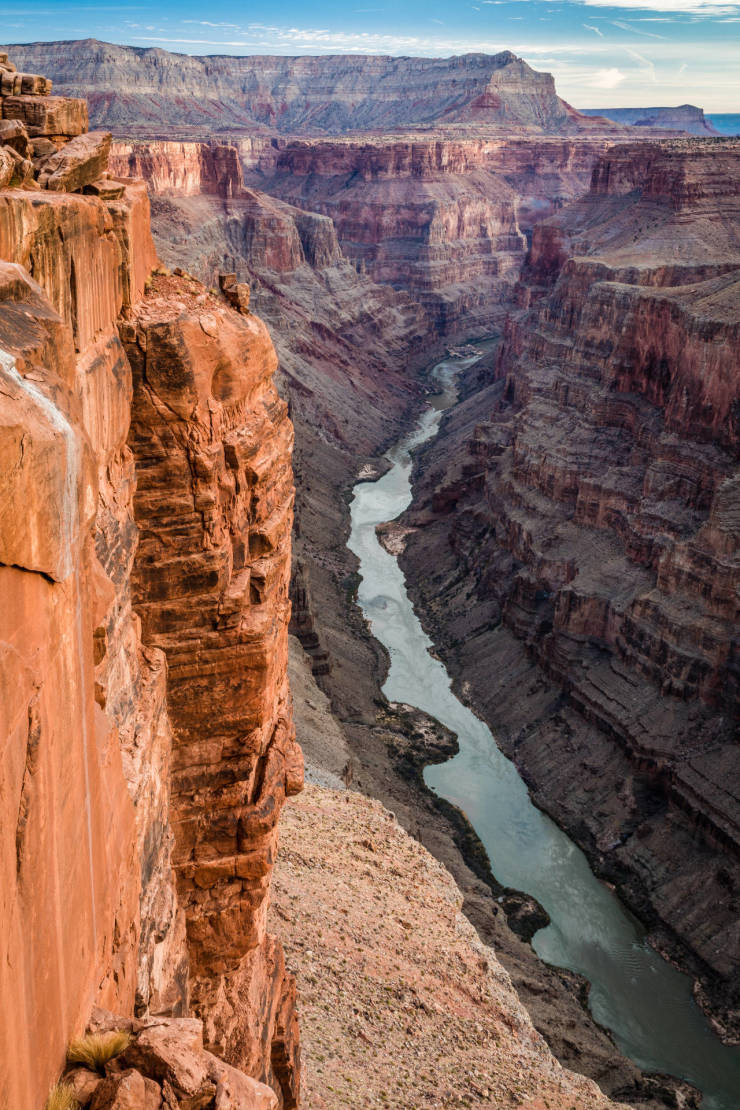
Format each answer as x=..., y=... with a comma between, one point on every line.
x=635, y=54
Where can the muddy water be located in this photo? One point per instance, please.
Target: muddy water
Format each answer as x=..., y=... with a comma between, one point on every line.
x=642, y=999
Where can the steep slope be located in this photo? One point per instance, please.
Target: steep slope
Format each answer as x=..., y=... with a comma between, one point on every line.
x=154, y=90
x=576, y=546
x=426, y=1016
x=348, y=351
x=130, y=405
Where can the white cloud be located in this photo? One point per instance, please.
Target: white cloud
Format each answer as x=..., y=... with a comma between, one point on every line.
x=606, y=78
x=595, y=30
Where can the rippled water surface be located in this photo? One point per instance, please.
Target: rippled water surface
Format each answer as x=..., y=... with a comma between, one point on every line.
x=634, y=992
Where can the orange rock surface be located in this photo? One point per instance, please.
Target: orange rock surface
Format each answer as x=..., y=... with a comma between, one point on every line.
x=138, y=808
x=212, y=443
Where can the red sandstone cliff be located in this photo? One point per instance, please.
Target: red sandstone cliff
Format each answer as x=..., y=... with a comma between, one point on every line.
x=581, y=517
x=145, y=509
x=347, y=348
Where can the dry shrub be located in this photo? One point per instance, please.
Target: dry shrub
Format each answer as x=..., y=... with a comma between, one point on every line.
x=96, y=1049
x=61, y=1097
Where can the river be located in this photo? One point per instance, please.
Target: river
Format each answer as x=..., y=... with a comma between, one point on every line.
x=645, y=1002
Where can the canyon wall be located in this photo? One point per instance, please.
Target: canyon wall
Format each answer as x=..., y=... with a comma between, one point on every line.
x=153, y=91
x=446, y=220
x=145, y=508
x=576, y=550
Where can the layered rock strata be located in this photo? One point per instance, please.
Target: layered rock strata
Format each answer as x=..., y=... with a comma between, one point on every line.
x=100, y=902
x=686, y=117
x=577, y=543
x=446, y=220
x=154, y=91
x=212, y=445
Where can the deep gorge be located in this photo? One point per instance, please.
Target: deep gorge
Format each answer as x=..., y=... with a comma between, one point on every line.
x=573, y=530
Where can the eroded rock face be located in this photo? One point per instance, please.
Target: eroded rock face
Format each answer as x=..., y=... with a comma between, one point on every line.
x=90, y=911
x=86, y=847
x=586, y=499
x=347, y=349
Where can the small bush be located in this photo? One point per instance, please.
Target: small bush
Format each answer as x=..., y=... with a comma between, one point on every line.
x=61, y=1097
x=96, y=1049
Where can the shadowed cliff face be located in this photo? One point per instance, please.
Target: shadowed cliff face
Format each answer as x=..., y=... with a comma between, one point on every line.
x=145, y=720
x=577, y=535
x=152, y=91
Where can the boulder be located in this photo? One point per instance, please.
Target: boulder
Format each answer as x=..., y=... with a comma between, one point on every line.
x=237, y=293
x=7, y=166
x=42, y=147
x=105, y=188
x=84, y=1084
x=236, y=1091
x=79, y=163
x=22, y=167
x=128, y=1091
x=32, y=84
x=173, y=1053
x=13, y=133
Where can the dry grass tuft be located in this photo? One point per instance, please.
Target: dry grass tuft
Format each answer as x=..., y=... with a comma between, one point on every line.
x=96, y=1049
x=61, y=1097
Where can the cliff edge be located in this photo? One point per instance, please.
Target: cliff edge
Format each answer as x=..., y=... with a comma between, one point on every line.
x=145, y=512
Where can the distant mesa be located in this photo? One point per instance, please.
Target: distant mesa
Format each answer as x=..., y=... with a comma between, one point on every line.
x=686, y=117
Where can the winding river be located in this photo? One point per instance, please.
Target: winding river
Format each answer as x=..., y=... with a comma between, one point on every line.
x=640, y=997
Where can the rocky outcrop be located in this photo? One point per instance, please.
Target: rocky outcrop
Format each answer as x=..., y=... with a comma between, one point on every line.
x=181, y=169
x=347, y=350
x=118, y=886
x=580, y=518
x=154, y=91
x=158, y=1062
x=686, y=117
x=212, y=443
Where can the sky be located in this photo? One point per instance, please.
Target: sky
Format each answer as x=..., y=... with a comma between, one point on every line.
x=638, y=53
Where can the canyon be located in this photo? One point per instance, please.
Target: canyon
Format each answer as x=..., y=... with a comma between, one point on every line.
x=572, y=548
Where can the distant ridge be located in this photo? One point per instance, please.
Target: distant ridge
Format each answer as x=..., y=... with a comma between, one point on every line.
x=686, y=117
x=155, y=91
